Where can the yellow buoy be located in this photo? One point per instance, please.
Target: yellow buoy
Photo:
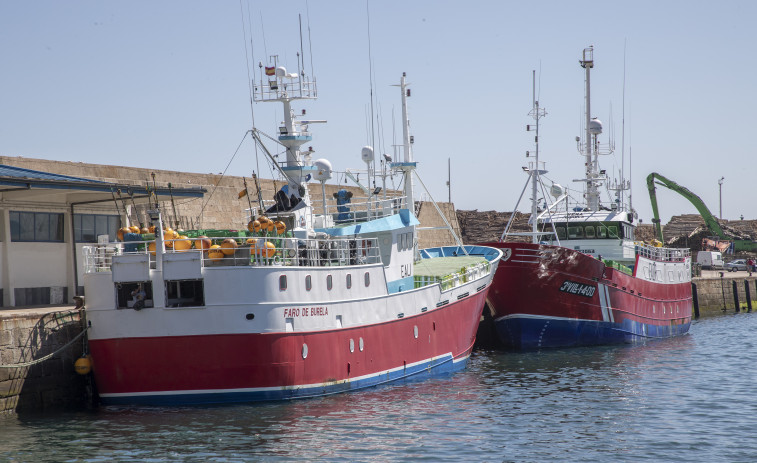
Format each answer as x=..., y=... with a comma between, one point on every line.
x=135, y=229
x=144, y=230
x=183, y=244
x=202, y=243
x=269, y=250
x=168, y=235
x=271, y=226
x=280, y=228
x=215, y=252
x=83, y=365
x=228, y=246
x=151, y=228
x=151, y=247
x=121, y=231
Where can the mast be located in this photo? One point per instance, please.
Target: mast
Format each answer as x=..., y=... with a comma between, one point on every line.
x=407, y=165
x=537, y=113
x=590, y=151
x=276, y=84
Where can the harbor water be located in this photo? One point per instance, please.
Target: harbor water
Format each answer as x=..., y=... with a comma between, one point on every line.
x=690, y=398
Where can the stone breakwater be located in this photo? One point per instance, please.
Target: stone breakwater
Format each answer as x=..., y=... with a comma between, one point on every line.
x=28, y=381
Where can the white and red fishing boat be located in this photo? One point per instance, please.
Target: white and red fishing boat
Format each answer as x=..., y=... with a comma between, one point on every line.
x=341, y=300
x=584, y=279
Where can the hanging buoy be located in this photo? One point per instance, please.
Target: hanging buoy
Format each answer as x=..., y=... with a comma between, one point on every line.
x=83, y=365
x=271, y=226
x=151, y=247
x=280, y=228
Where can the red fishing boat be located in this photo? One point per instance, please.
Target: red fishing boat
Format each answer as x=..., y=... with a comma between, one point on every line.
x=584, y=279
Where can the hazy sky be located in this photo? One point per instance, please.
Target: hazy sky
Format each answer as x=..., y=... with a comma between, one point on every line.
x=164, y=85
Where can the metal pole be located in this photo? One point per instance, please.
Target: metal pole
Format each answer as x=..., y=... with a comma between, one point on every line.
x=720, y=184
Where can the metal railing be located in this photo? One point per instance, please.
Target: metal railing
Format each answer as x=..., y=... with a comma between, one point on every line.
x=456, y=279
x=255, y=251
x=662, y=254
x=359, y=209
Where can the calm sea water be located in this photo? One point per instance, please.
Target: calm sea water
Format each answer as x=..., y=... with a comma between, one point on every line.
x=686, y=399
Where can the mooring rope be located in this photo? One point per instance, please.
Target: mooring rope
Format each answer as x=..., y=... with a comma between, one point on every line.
x=48, y=356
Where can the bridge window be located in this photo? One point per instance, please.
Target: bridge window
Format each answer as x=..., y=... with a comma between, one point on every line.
x=575, y=232
x=612, y=230
x=561, y=232
x=601, y=231
x=589, y=231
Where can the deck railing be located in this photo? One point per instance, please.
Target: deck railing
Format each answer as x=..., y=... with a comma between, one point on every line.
x=254, y=251
x=456, y=279
x=662, y=254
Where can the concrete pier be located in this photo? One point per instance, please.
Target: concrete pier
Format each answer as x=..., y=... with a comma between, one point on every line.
x=29, y=383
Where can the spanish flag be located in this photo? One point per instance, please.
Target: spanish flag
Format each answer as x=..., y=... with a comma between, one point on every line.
x=269, y=71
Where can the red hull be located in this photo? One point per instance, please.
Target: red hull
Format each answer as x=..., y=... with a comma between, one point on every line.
x=270, y=366
x=537, y=283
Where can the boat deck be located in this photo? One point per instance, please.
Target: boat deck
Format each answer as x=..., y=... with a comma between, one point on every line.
x=443, y=266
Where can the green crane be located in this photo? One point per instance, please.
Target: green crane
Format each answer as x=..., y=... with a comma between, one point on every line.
x=709, y=219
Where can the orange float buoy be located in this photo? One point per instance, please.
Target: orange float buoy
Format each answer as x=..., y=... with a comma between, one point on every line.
x=202, y=243
x=215, y=252
x=145, y=230
x=269, y=250
x=151, y=247
x=121, y=231
x=280, y=227
x=151, y=228
x=271, y=226
x=83, y=365
x=229, y=246
x=168, y=235
x=134, y=229
x=183, y=244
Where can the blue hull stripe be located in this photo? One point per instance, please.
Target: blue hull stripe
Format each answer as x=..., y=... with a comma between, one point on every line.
x=421, y=370
x=533, y=332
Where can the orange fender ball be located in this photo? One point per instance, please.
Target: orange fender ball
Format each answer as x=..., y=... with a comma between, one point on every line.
x=183, y=244
x=134, y=229
x=228, y=246
x=280, y=228
x=151, y=247
x=215, y=252
x=83, y=365
x=269, y=250
x=121, y=231
x=202, y=243
x=144, y=230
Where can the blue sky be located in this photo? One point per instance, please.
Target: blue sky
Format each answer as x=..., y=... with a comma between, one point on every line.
x=164, y=85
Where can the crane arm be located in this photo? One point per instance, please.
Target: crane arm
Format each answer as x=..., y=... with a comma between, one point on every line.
x=709, y=219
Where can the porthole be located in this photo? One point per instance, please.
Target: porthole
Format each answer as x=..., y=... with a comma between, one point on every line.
x=304, y=351
x=352, y=345
x=361, y=345
x=415, y=331
x=367, y=279
x=249, y=316
x=329, y=282
x=308, y=283
x=349, y=280
x=283, y=283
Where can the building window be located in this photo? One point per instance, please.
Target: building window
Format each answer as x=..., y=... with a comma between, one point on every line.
x=87, y=227
x=36, y=226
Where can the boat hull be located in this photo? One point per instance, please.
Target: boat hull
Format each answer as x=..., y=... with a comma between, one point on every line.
x=548, y=296
x=251, y=367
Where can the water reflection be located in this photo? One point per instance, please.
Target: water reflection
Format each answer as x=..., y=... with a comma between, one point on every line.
x=681, y=399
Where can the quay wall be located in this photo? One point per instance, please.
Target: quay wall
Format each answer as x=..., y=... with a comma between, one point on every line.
x=715, y=295
x=26, y=337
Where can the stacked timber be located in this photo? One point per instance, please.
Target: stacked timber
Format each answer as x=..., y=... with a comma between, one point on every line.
x=485, y=226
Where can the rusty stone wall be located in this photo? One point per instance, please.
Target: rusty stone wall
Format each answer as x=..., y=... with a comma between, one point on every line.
x=715, y=295
x=28, y=336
